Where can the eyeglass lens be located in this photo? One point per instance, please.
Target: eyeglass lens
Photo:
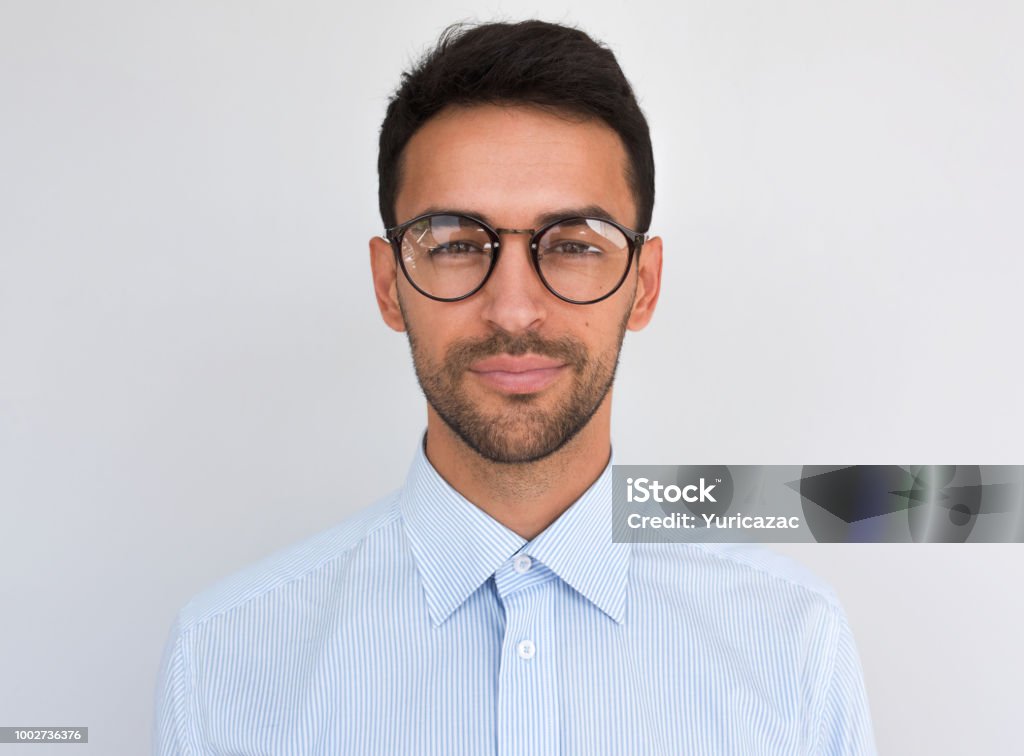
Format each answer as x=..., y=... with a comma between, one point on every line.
x=449, y=256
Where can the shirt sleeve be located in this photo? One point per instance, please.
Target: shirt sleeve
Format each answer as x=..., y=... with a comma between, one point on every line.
x=170, y=723
x=845, y=728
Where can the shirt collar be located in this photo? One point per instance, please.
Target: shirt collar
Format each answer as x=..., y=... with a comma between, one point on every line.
x=457, y=546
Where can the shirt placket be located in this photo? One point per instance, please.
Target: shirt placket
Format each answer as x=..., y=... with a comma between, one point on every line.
x=528, y=686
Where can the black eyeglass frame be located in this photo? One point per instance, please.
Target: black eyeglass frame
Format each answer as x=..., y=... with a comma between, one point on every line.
x=635, y=239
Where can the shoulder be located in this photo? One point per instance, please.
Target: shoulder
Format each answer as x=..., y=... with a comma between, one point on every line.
x=305, y=560
x=720, y=567
x=744, y=605
x=771, y=566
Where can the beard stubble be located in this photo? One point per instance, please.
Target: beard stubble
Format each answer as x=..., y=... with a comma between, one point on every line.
x=522, y=430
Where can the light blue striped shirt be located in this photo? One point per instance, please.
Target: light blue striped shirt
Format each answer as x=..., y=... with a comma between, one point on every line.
x=423, y=626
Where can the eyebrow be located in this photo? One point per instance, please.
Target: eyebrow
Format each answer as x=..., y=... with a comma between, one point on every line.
x=586, y=211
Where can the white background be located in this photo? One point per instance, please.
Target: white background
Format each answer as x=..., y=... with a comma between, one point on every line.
x=193, y=373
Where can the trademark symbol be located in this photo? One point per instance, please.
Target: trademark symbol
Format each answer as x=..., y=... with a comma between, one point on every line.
x=718, y=480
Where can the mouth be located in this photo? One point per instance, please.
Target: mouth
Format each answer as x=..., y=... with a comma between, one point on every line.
x=523, y=374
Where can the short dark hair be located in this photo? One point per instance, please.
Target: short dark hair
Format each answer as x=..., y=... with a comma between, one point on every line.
x=554, y=67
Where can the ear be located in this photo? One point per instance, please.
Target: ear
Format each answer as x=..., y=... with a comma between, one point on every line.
x=384, y=268
x=648, y=285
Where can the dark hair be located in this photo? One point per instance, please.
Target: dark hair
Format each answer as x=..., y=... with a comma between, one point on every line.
x=531, y=62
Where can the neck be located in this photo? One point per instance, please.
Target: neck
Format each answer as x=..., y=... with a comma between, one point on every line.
x=525, y=497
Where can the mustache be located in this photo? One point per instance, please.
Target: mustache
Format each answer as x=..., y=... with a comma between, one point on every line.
x=462, y=354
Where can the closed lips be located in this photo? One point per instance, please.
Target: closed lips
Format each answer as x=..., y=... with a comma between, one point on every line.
x=527, y=374
x=510, y=364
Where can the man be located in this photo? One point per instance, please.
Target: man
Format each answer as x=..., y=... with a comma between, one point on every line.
x=483, y=608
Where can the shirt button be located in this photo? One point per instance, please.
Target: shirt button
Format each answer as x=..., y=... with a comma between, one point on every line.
x=526, y=649
x=522, y=563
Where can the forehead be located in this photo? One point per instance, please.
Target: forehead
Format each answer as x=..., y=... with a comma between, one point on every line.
x=514, y=164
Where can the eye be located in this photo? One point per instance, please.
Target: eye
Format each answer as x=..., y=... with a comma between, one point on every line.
x=568, y=248
x=454, y=249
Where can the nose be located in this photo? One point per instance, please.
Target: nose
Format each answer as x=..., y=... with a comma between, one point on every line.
x=515, y=299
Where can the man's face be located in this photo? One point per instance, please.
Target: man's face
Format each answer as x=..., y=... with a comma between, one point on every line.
x=514, y=371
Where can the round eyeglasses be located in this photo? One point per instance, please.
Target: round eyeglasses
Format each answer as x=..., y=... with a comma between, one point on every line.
x=449, y=257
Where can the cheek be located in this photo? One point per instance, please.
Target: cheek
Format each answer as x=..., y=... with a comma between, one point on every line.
x=438, y=325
